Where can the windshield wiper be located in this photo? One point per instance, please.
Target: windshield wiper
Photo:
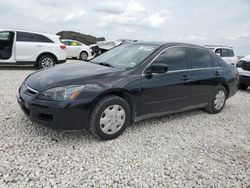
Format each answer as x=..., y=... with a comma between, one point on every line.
x=105, y=64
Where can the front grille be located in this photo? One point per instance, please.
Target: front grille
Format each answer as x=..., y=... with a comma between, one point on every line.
x=246, y=66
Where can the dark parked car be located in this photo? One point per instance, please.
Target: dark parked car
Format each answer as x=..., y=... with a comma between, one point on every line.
x=127, y=84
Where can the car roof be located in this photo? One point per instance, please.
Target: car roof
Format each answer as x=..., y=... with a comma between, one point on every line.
x=29, y=31
x=170, y=44
x=219, y=46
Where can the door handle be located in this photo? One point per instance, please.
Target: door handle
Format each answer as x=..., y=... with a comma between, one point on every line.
x=217, y=73
x=185, y=77
x=39, y=46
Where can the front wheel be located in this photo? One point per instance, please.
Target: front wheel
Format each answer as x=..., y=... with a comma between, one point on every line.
x=109, y=118
x=217, y=102
x=83, y=56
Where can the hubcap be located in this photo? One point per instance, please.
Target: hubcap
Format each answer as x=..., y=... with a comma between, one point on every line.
x=47, y=62
x=84, y=56
x=112, y=119
x=219, y=100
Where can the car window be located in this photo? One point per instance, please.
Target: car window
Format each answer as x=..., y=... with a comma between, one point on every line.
x=175, y=58
x=67, y=43
x=224, y=53
x=200, y=58
x=31, y=37
x=79, y=44
x=230, y=53
x=73, y=43
x=4, y=36
x=227, y=53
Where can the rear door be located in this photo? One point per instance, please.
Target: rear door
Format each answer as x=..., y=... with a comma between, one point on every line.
x=206, y=75
x=168, y=91
x=30, y=45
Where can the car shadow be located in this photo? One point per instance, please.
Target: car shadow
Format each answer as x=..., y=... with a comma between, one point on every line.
x=83, y=136
x=17, y=67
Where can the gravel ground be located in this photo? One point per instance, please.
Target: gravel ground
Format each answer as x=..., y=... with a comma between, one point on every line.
x=191, y=149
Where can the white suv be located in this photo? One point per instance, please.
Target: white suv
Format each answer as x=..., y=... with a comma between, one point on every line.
x=25, y=47
x=76, y=49
x=225, y=52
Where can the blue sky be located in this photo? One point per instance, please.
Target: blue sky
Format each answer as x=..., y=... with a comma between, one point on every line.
x=224, y=22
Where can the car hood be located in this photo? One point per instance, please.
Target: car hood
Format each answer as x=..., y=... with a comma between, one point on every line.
x=67, y=74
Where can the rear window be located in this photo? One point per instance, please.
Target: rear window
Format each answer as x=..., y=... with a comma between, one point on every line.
x=227, y=53
x=200, y=58
x=31, y=37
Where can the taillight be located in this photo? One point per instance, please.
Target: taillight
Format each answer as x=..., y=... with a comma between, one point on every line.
x=62, y=46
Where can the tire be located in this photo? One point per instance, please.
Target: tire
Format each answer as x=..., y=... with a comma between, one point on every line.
x=212, y=108
x=103, y=112
x=243, y=87
x=46, y=61
x=84, y=56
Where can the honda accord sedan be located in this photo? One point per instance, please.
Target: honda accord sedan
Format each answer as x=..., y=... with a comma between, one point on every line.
x=127, y=84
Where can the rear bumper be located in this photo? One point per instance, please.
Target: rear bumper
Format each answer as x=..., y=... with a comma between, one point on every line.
x=245, y=80
x=58, y=115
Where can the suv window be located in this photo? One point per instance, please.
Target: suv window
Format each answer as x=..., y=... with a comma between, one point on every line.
x=225, y=52
x=175, y=58
x=4, y=36
x=200, y=58
x=31, y=37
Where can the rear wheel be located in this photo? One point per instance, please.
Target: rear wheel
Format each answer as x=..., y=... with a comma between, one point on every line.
x=218, y=100
x=46, y=61
x=109, y=118
x=83, y=56
x=243, y=87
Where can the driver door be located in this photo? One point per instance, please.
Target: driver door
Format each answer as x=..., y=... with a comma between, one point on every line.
x=170, y=91
x=7, y=44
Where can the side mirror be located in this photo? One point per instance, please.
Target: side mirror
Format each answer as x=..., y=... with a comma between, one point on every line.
x=157, y=68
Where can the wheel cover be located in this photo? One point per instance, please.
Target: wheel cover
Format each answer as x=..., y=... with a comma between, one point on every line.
x=84, y=56
x=47, y=62
x=219, y=100
x=112, y=119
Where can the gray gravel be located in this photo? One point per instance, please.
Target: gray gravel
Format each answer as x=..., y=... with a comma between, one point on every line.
x=191, y=149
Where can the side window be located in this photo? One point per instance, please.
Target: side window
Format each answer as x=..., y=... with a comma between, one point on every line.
x=31, y=37
x=226, y=53
x=67, y=43
x=79, y=44
x=218, y=52
x=230, y=53
x=41, y=38
x=73, y=43
x=175, y=58
x=200, y=59
x=4, y=36
x=25, y=37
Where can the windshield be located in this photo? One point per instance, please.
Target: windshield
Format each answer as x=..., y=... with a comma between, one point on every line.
x=125, y=56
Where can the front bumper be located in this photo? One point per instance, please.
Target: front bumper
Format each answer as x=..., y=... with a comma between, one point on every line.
x=245, y=80
x=56, y=115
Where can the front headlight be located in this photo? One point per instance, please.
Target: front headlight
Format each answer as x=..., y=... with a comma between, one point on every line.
x=66, y=93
